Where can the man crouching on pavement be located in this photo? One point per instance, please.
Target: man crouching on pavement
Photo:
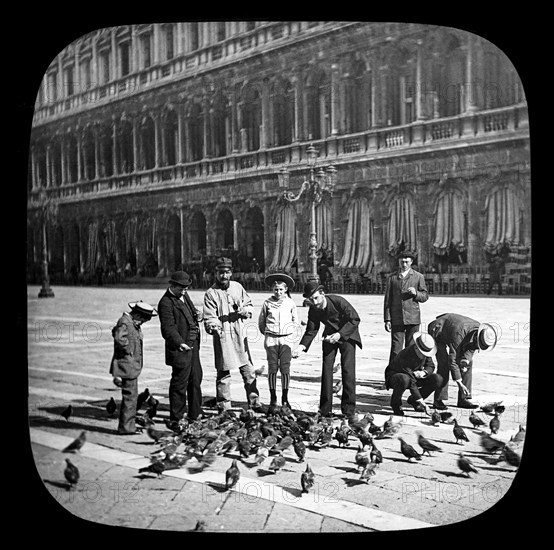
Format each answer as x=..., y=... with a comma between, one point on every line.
x=413, y=369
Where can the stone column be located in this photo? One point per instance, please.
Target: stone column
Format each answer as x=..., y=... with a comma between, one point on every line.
x=180, y=132
x=94, y=63
x=157, y=148
x=96, y=154
x=114, y=73
x=156, y=45
x=60, y=91
x=115, y=141
x=206, y=127
x=234, y=123
x=33, y=169
x=134, y=50
x=79, y=155
x=63, y=154
x=471, y=103
x=265, y=137
x=421, y=113
x=335, y=99
x=179, y=38
x=298, y=109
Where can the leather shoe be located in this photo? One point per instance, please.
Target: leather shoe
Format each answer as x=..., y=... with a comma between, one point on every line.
x=465, y=404
x=398, y=411
x=439, y=405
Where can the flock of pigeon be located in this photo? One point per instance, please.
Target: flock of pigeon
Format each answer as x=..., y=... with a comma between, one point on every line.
x=261, y=439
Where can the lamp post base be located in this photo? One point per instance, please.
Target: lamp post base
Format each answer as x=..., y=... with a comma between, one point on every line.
x=46, y=292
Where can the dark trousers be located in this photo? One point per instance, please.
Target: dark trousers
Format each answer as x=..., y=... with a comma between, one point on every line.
x=186, y=379
x=443, y=369
x=348, y=372
x=128, y=406
x=400, y=382
x=401, y=336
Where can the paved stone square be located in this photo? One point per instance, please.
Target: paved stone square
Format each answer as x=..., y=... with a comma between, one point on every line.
x=69, y=350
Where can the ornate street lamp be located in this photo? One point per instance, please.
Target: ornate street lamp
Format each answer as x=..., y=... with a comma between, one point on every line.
x=319, y=186
x=48, y=210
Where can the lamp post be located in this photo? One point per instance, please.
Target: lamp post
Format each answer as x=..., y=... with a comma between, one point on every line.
x=48, y=209
x=317, y=187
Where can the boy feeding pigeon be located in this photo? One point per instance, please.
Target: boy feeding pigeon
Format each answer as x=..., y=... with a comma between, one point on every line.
x=127, y=361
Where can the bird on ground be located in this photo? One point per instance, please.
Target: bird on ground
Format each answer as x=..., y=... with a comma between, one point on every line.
x=299, y=448
x=490, y=444
x=520, y=435
x=511, y=456
x=285, y=443
x=307, y=479
x=459, y=433
x=362, y=457
x=156, y=435
x=390, y=427
x=278, y=462
x=232, y=475
x=337, y=387
x=499, y=409
x=435, y=418
x=157, y=468
x=375, y=455
x=111, y=406
x=71, y=473
x=152, y=403
x=368, y=471
x=244, y=446
x=475, y=420
x=466, y=465
x=67, y=412
x=259, y=371
x=77, y=443
x=261, y=454
x=490, y=407
x=336, y=368
x=426, y=445
x=446, y=416
x=142, y=398
x=341, y=435
x=408, y=451
x=494, y=424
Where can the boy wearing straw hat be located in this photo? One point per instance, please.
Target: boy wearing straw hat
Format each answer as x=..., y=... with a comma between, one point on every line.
x=127, y=361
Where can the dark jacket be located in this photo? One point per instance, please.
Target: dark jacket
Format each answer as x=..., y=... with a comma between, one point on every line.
x=127, y=357
x=457, y=332
x=338, y=316
x=179, y=325
x=401, y=307
x=406, y=362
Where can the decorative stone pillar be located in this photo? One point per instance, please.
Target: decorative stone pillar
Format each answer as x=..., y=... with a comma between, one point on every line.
x=79, y=155
x=157, y=148
x=180, y=132
x=115, y=160
x=335, y=99
x=471, y=104
x=134, y=50
x=114, y=73
x=265, y=137
x=234, y=124
x=420, y=93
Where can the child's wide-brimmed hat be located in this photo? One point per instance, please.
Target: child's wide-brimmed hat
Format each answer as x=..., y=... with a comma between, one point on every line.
x=281, y=277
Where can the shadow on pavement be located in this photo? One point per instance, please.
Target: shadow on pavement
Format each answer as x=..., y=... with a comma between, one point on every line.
x=41, y=422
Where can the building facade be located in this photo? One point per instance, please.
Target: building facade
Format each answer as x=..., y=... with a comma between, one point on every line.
x=161, y=146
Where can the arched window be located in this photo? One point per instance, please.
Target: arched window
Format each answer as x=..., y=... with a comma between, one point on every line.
x=318, y=103
x=283, y=102
x=196, y=132
x=148, y=144
x=170, y=139
x=224, y=230
x=197, y=232
x=126, y=152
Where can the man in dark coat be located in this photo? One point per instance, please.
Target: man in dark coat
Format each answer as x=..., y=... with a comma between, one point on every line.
x=458, y=338
x=413, y=369
x=127, y=361
x=404, y=290
x=179, y=323
x=340, y=334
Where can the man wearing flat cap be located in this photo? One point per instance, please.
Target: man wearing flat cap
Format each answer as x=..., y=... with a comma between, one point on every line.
x=179, y=323
x=226, y=307
x=458, y=337
x=413, y=369
x=404, y=290
x=127, y=361
x=340, y=333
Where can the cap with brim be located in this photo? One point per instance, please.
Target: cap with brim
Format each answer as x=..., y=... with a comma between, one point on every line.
x=425, y=343
x=180, y=278
x=143, y=308
x=486, y=337
x=310, y=287
x=406, y=255
x=224, y=263
x=280, y=277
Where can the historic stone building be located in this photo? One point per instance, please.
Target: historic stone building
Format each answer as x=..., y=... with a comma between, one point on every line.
x=164, y=145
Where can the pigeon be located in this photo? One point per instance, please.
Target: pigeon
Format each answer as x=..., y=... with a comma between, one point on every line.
x=362, y=457
x=390, y=427
x=337, y=387
x=520, y=435
x=71, y=473
x=342, y=436
x=336, y=368
x=155, y=468
x=459, y=433
x=446, y=416
x=408, y=451
x=152, y=403
x=499, y=409
x=375, y=455
x=232, y=475
x=490, y=407
x=435, y=418
x=307, y=479
x=259, y=371
x=490, y=444
x=511, y=456
x=426, y=445
x=466, y=465
x=67, y=412
x=244, y=447
x=475, y=420
x=299, y=448
x=155, y=434
x=278, y=462
x=111, y=406
x=261, y=454
x=142, y=398
x=494, y=424
x=368, y=471
x=285, y=443
x=76, y=444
